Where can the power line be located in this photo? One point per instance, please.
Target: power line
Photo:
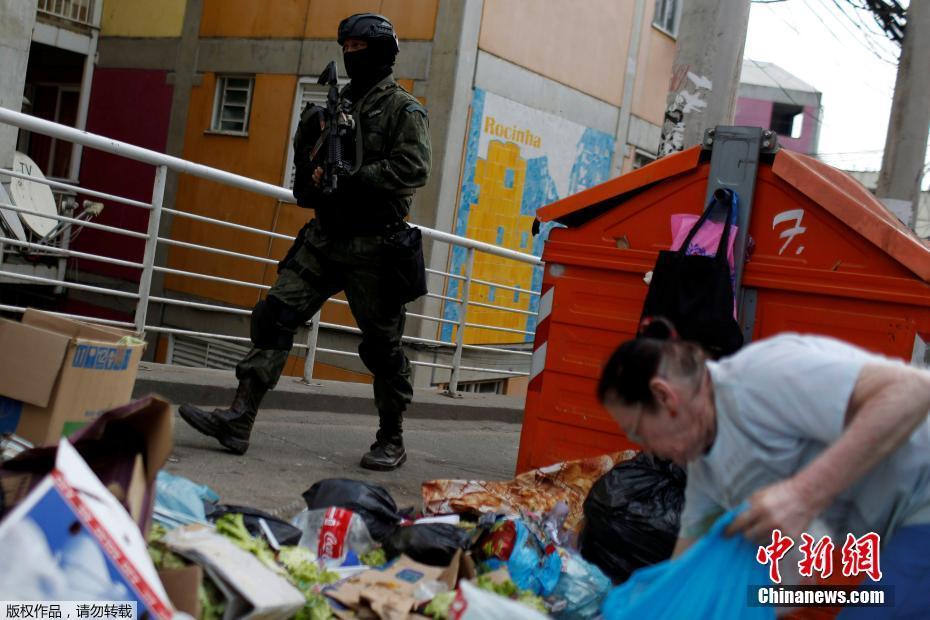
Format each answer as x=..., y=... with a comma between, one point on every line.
x=869, y=43
x=865, y=43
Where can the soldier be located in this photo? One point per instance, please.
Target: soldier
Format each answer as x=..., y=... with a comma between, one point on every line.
x=347, y=247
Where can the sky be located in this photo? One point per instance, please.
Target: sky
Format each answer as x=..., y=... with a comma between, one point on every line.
x=840, y=51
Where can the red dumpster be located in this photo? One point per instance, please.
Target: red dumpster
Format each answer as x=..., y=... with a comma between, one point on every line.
x=829, y=258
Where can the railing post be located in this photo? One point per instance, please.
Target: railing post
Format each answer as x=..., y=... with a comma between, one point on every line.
x=460, y=332
x=312, y=335
x=148, y=259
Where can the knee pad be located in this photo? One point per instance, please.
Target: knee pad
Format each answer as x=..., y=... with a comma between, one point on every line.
x=274, y=324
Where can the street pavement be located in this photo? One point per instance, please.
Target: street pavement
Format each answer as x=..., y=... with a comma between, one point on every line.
x=290, y=450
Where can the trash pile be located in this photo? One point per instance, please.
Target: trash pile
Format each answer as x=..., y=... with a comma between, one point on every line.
x=94, y=518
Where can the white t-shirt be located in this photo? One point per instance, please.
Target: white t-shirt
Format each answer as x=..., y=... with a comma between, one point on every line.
x=780, y=402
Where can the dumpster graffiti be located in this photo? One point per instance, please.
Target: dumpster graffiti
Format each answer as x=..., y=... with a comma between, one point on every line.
x=795, y=215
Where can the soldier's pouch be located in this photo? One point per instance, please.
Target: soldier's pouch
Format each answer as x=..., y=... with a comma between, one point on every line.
x=405, y=276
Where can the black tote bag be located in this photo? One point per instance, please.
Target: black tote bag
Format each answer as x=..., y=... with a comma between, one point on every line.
x=695, y=292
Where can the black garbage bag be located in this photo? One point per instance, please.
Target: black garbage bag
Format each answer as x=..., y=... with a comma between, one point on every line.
x=370, y=501
x=284, y=532
x=434, y=544
x=632, y=516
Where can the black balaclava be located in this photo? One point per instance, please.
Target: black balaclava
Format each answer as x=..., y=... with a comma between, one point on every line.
x=369, y=66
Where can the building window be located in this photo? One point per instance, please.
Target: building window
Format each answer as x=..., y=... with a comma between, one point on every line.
x=666, y=17
x=787, y=120
x=641, y=158
x=233, y=103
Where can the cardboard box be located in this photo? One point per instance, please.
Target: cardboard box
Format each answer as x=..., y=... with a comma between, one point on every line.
x=57, y=374
x=124, y=447
x=73, y=541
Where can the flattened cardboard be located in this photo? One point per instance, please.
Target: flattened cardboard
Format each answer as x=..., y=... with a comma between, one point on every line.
x=390, y=593
x=57, y=374
x=182, y=586
x=253, y=591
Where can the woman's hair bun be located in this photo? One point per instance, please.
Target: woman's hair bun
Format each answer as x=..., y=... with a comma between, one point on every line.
x=657, y=328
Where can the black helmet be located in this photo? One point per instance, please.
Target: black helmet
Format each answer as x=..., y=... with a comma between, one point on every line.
x=368, y=27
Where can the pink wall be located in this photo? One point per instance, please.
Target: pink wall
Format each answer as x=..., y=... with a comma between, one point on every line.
x=758, y=113
x=130, y=105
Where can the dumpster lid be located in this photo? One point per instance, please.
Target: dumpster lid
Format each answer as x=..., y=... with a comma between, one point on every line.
x=849, y=201
x=835, y=191
x=579, y=208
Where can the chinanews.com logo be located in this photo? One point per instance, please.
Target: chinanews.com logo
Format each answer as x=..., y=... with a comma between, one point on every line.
x=859, y=557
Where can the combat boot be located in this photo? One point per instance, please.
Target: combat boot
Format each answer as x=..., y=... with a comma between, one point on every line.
x=231, y=427
x=387, y=453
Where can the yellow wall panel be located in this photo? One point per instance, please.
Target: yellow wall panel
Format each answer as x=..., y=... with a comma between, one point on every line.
x=261, y=155
x=568, y=41
x=142, y=18
x=248, y=18
x=412, y=19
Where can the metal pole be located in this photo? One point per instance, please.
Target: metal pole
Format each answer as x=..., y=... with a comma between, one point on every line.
x=148, y=260
x=460, y=332
x=313, y=335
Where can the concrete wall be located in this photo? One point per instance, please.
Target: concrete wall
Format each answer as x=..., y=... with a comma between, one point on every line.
x=142, y=18
x=16, y=21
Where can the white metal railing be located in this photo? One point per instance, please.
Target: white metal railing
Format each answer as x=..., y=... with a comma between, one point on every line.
x=81, y=11
x=147, y=267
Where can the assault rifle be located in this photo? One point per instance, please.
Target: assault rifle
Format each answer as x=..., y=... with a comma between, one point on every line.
x=339, y=132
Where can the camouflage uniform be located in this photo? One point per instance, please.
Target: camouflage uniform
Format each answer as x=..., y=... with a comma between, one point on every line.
x=343, y=248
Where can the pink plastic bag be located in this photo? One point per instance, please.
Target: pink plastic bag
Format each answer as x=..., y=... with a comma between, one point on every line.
x=705, y=241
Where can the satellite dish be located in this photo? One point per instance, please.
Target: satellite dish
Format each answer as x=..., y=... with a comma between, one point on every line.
x=11, y=218
x=33, y=196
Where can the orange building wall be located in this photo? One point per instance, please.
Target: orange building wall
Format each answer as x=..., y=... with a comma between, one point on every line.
x=656, y=61
x=312, y=19
x=261, y=156
x=565, y=40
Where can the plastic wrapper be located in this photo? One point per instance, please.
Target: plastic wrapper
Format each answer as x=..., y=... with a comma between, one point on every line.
x=369, y=501
x=434, y=544
x=710, y=580
x=179, y=501
x=338, y=536
x=632, y=516
x=537, y=491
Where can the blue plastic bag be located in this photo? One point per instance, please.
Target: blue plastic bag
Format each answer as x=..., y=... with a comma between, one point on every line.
x=178, y=501
x=531, y=566
x=711, y=580
x=582, y=586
